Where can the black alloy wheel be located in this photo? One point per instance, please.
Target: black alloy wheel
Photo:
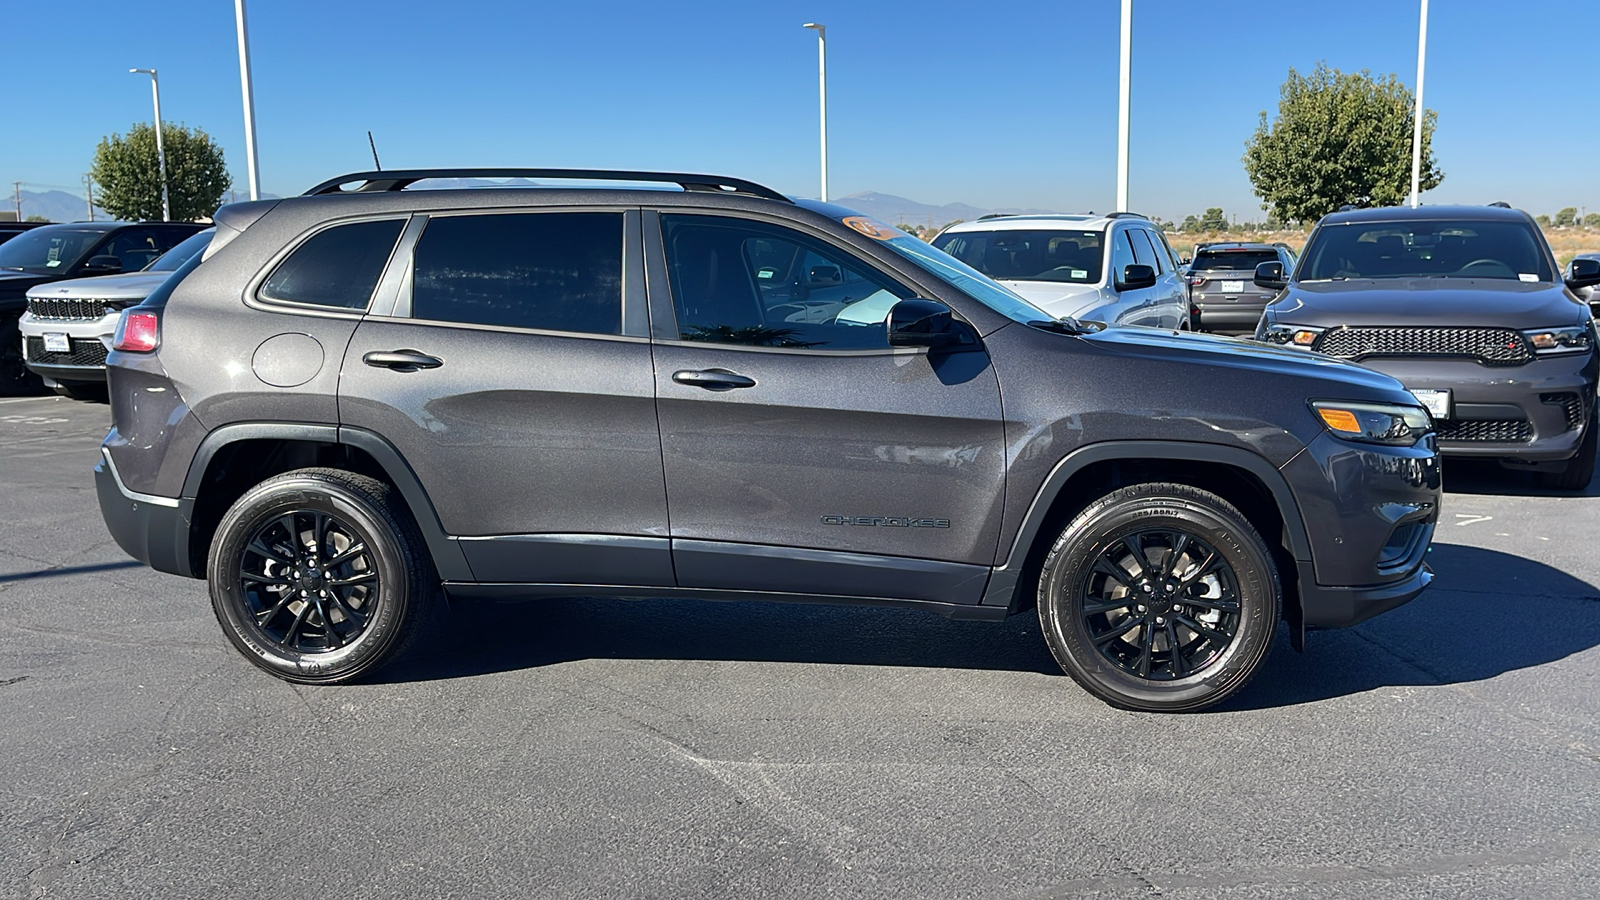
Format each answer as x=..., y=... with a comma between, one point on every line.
x=1159, y=597
x=320, y=575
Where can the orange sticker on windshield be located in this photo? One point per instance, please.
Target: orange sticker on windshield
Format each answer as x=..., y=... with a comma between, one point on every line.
x=870, y=227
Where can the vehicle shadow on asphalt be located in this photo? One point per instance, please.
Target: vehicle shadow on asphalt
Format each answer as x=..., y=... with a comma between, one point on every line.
x=1488, y=613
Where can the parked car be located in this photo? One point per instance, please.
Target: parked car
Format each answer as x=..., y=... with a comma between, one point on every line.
x=1223, y=295
x=361, y=394
x=1078, y=266
x=59, y=252
x=1466, y=307
x=9, y=230
x=1589, y=295
x=67, y=330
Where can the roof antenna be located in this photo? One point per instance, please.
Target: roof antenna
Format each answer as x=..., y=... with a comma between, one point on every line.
x=377, y=165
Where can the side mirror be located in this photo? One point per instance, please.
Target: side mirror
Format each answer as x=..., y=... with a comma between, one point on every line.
x=915, y=322
x=1184, y=260
x=102, y=265
x=1583, y=273
x=1135, y=277
x=1270, y=275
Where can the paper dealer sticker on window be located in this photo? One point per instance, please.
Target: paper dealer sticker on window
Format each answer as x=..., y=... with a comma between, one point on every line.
x=1079, y=273
x=1524, y=276
x=871, y=227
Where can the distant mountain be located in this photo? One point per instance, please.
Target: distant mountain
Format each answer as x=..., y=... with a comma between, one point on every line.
x=57, y=206
x=895, y=210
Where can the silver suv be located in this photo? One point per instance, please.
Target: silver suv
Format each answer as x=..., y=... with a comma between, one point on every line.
x=1117, y=268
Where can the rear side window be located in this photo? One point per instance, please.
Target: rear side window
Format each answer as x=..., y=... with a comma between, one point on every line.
x=550, y=271
x=338, y=268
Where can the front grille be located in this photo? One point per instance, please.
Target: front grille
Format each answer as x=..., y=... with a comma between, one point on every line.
x=1490, y=346
x=1492, y=431
x=65, y=308
x=84, y=353
x=1570, y=405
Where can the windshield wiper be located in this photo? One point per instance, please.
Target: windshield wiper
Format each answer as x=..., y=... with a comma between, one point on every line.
x=1069, y=325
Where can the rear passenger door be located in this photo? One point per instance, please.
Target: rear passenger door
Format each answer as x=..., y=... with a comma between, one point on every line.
x=511, y=375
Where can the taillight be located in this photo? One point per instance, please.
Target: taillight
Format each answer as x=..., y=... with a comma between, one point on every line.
x=1197, y=280
x=137, y=332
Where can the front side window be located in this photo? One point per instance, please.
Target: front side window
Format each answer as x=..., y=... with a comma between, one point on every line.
x=337, y=268
x=736, y=281
x=1143, y=253
x=1121, y=255
x=555, y=271
x=1071, y=257
x=1504, y=250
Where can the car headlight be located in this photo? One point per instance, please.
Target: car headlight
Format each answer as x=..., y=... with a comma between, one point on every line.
x=1374, y=423
x=1558, y=340
x=1292, y=335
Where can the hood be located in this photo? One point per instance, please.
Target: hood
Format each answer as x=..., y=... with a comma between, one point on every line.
x=1429, y=301
x=129, y=286
x=1237, y=353
x=1059, y=299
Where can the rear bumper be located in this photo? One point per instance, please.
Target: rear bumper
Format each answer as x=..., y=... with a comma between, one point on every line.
x=1232, y=317
x=153, y=530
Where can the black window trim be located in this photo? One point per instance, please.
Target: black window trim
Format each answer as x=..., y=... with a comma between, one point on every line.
x=664, y=313
x=252, y=293
x=634, y=321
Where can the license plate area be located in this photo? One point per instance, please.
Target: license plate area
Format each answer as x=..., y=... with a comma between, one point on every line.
x=1436, y=402
x=1233, y=287
x=56, y=342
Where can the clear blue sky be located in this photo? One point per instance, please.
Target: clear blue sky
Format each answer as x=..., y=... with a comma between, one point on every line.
x=993, y=104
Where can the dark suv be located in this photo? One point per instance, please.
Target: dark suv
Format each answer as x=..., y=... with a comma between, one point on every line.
x=357, y=395
x=1223, y=295
x=1467, y=307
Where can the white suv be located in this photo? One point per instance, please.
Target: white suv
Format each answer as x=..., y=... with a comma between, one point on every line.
x=1116, y=268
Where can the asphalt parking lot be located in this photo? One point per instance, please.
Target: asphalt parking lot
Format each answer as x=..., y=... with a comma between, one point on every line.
x=1450, y=748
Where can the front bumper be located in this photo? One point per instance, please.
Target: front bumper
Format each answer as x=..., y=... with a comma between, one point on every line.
x=89, y=342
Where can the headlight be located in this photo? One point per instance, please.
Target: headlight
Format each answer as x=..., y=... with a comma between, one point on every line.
x=1558, y=340
x=1374, y=423
x=1293, y=335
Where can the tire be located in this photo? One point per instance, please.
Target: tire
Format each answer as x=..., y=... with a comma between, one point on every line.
x=14, y=375
x=1118, y=646
x=1580, y=468
x=349, y=618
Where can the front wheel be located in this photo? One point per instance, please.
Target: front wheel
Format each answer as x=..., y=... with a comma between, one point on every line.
x=1159, y=597
x=319, y=575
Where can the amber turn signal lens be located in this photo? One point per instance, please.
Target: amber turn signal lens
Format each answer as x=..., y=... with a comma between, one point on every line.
x=1305, y=338
x=1340, y=420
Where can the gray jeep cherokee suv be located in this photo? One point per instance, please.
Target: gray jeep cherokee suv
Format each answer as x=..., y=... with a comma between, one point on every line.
x=356, y=396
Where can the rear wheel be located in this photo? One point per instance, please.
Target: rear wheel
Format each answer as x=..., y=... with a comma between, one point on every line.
x=1159, y=597
x=319, y=575
x=1580, y=468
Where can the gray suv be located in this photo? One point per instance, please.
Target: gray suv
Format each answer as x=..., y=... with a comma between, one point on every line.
x=357, y=396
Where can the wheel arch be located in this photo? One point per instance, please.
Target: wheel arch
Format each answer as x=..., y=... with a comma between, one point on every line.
x=236, y=457
x=1239, y=476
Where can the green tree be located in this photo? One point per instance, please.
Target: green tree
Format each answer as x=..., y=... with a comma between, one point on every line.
x=1338, y=139
x=126, y=170
x=1213, y=220
x=1190, y=223
x=1568, y=216
x=1542, y=220
x=38, y=218
x=1592, y=220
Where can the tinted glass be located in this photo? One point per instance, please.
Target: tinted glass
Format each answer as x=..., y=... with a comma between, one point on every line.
x=965, y=278
x=1243, y=260
x=1510, y=251
x=337, y=268
x=177, y=256
x=1121, y=255
x=1068, y=256
x=553, y=271
x=742, y=282
x=47, y=249
x=1143, y=253
x=1164, y=245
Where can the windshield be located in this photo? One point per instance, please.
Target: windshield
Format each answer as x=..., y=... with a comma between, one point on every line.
x=1214, y=260
x=1072, y=257
x=47, y=249
x=1509, y=251
x=177, y=256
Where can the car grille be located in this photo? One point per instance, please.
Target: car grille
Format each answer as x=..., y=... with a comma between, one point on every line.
x=1492, y=431
x=90, y=353
x=1569, y=403
x=65, y=308
x=1490, y=346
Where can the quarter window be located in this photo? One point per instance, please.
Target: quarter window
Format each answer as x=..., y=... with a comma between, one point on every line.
x=338, y=268
x=741, y=282
x=549, y=271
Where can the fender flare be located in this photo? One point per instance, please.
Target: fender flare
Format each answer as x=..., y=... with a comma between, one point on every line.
x=448, y=559
x=1003, y=583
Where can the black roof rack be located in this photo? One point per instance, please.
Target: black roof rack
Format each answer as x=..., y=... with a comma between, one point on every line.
x=1501, y=204
x=1127, y=215
x=400, y=179
x=1348, y=207
x=995, y=216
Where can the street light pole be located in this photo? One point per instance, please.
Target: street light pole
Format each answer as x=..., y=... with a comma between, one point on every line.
x=249, y=100
x=1416, y=125
x=822, y=90
x=1122, y=105
x=161, y=150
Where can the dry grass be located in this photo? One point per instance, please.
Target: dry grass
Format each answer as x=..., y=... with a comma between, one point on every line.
x=1566, y=242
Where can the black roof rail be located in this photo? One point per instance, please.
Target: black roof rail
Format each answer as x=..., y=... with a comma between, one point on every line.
x=400, y=179
x=1348, y=207
x=1501, y=204
x=1127, y=215
x=995, y=216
